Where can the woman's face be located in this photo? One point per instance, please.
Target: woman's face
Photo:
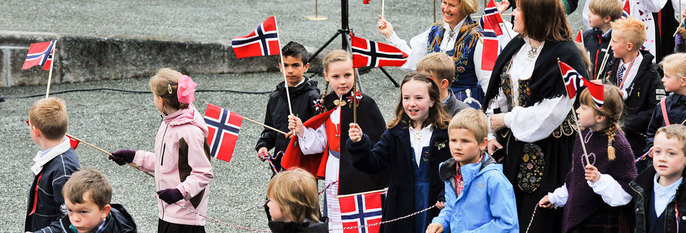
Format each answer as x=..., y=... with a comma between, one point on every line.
x=451, y=12
x=519, y=21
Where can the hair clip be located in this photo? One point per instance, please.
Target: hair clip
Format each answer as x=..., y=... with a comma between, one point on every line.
x=169, y=88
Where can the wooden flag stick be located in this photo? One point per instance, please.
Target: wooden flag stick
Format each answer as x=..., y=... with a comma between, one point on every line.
x=355, y=96
x=283, y=70
x=571, y=103
x=434, y=10
x=266, y=126
x=602, y=66
x=383, y=6
x=54, y=55
x=107, y=153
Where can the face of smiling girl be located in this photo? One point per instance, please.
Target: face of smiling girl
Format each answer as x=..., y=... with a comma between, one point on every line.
x=416, y=101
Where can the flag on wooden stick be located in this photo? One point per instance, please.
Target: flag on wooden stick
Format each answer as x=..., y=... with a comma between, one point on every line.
x=223, y=126
x=40, y=54
x=263, y=41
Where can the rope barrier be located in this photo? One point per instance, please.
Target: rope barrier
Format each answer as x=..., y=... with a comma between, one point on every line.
x=127, y=91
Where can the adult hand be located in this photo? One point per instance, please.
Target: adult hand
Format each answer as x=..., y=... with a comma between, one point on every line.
x=122, y=157
x=494, y=145
x=170, y=195
x=385, y=27
x=497, y=121
x=545, y=202
x=263, y=153
x=592, y=174
x=434, y=228
x=296, y=125
x=355, y=133
x=502, y=6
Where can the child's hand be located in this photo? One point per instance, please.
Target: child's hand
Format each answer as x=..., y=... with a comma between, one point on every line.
x=545, y=202
x=296, y=125
x=434, y=228
x=502, y=5
x=170, y=195
x=592, y=173
x=385, y=27
x=263, y=153
x=122, y=157
x=355, y=133
x=289, y=134
x=440, y=205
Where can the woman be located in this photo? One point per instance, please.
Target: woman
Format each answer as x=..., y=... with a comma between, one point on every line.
x=458, y=36
x=529, y=109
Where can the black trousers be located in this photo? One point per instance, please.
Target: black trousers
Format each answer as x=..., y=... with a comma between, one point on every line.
x=167, y=227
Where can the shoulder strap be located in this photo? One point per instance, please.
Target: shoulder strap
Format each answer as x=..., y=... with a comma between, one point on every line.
x=664, y=111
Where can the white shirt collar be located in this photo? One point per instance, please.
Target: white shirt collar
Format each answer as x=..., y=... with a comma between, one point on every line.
x=44, y=156
x=664, y=195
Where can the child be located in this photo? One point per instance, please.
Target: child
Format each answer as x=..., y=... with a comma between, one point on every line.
x=636, y=76
x=672, y=109
x=594, y=198
x=180, y=162
x=412, y=147
x=659, y=193
x=53, y=164
x=442, y=70
x=87, y=198
x=293, y=203
x=479, y=198
x=598, y=37
x=303, y=93
x=317, y=145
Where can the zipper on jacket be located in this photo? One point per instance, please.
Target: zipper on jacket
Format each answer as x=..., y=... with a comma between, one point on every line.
x=644, y=209
x=164, y=145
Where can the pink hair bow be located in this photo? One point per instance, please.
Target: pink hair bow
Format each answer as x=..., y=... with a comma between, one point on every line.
x=186, y=90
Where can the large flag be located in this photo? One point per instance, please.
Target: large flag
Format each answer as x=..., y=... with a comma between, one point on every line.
x=626, y=11
x=492, y=16
x=367, y=53
x=40, y=54
x=359, y=210
x=263, y=41
x=223, y=128
x=491, y=45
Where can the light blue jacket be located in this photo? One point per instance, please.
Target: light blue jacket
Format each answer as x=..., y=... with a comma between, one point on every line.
x=486, y=204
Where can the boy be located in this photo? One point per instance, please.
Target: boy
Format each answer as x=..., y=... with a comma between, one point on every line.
x=53, y=165
x=659, y=189
x=303, y=93
x=442, y=70
x=635, y=74
x=598, y=37
x=486, y=196
x=87, y=198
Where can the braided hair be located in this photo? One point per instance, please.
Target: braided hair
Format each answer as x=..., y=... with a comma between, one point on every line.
x=613, y=105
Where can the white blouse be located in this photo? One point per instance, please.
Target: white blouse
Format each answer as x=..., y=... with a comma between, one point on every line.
x=418, y=140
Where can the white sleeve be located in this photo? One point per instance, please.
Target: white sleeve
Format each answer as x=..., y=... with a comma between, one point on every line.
x=559, y=196
x=482, y=75
x=610, y=190
x=530, y=124
x=313, y=141
x=416, y=50
x=653, y=6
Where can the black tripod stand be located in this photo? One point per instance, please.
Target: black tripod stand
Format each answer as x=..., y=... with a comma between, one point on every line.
x=344, y=32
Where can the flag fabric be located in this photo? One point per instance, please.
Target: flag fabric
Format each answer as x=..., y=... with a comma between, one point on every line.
x=359, y=210
x=223, y=126
x=597, y=93
x=579, y=37
x=367, y=53
x=73, y=142
x=492, y=16
x=626, y=11
x=573, y=80
x=491, y=45
x=365, y=1
x=263, y=41
x=40, y=54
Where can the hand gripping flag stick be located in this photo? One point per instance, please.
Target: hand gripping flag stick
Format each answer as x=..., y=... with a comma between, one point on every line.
x=108, y=153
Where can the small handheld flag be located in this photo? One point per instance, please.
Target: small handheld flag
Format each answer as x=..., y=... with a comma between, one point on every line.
x=223, y=128
x=597, y=93
x=40, y=54
x=359, y=210
x=367, y=53
x=626, y=10
x=73, y=142
x=492, y=16
x=491, y=45
x=572, y=78
x=263, y=41
x=579, y=37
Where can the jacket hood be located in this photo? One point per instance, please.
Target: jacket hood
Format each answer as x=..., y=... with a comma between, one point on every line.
x=307, y=85
x=188, y=115
x=448, y=168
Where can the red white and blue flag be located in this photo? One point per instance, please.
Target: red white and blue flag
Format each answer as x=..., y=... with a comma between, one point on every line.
x=491, y=45
x=360, y=210
x=573, y=80
x=223, y=126
x=40, y=54
x=263, y=41
x=626, y=10
x=597, y=93
x=367, y=53
x=492, y=16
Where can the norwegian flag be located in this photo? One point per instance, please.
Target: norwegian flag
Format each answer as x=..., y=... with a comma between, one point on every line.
x=73, y=142
x=492, y=16
x=597, y=93
x=365, y=1
x=573, y=80
x=40, y=54
x=491, y=46
x=367, y=53
x=223, y=126
x=263, y=41
x=360, y=210
x=579, y=37
x=626, y=11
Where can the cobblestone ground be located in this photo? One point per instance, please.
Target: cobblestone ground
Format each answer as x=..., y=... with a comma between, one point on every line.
x=114, y=120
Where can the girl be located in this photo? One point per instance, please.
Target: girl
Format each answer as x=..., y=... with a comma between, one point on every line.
x=413, y=146
x=672, y=109
x=593, y=197
x=293, y=203
x=317, y=145
x=180, y=161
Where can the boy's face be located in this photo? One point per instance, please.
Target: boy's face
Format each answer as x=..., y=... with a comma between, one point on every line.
x=340, y=76
x=620, y=46
x=464, y=147
x=672, y=82
x=86, y=216
x=668, y=156
x=596, y=21
x=294, y=70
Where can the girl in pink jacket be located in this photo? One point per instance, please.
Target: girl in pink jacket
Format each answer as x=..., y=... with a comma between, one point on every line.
x=181, y=160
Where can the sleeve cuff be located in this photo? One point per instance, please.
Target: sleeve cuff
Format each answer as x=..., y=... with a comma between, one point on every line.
x=394, y=39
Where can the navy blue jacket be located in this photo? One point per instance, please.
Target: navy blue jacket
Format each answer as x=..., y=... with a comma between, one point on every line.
x=676, y=112
x=596, y=45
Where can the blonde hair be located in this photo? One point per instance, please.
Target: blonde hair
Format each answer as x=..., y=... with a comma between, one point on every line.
x=438, y=117
x=296, y=193
x=676, y=63
x=50, y=117
x=164, y=84
x=88, y=180
x=439, y=64
x=468, y=7
x=584, y=56
x=613, y=104
x=606, y=8
x=633, y=29
x=334, y=56
x=473, y=120
x=674, y=130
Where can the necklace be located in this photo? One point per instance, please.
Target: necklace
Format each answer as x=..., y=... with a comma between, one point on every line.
x=531, y=54
x=418, y=135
